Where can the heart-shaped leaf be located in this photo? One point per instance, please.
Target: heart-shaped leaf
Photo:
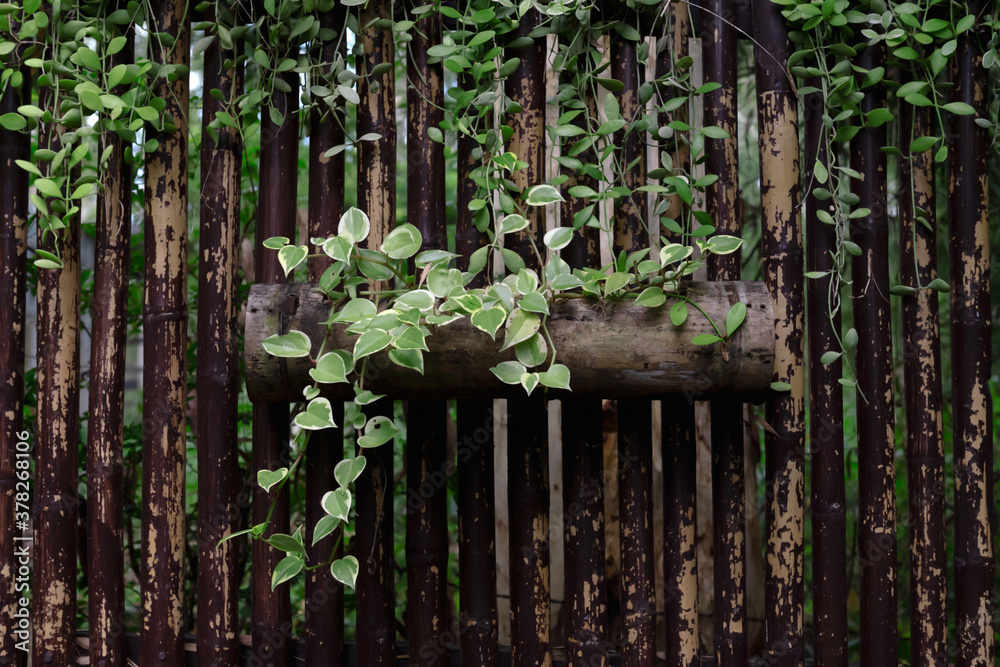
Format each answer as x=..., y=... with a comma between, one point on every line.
x=267, y=479
x=337, y=503
x=413, y=359
x=317, y=416
x=378, y=431
x=529, y=381
x=615, y=282
x=292, y=344
x=310, y=392
x=489, y=320
x=557, y=377
x=534, y=302
x=349, y=470
x=286, y=569
x=509, y=372
x=734, y=318
x=651, y=297
x=354, y=225
x=540, y=195
x=329, y=369
x=364, y=397
x=533, y=351
x=420, y=300
x=513, y=223
x=324, y=527
x=411, y=339
x=370, y=342
x=345, y=570
x=291, y=256
x=558, y=237
x=403, y=242
x=679, y=313
x=338, y=248
x=520, y=327
x=674, y=252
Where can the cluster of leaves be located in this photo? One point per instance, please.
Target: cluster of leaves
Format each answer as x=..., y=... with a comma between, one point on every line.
x=81, y=96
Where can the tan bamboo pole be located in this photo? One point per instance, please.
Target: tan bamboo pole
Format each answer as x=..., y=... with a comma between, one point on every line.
x=778, y=139
x=218, y=365
x=105, y=515
x=270, y=625
x=15, y=457
x=972, y=421
x=377, y=197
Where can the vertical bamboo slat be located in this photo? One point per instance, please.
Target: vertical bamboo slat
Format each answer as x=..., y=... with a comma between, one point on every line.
x=217, y=373
x=377, y=197
x=635, y=421
x=527, y=428
x=324, y=613
x=725, y=206
x=876, y=438
x=922, y=382
x=972, y=411
x=826, y=430
x=55, y=509
x=777, y=113
x=105, y=514
x=477, y=558
x=427, y=491
x=677, y=430
x=586, y=595
x=13, y=261
x=270, y=624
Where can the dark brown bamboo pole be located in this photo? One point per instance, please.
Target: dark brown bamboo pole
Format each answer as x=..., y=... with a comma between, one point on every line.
x=922, y=383
x=165, y=313
x=324, y=620
x=972, y=419
x=876, y=443
x=723, y=203
x=14, y=457
x=377, y=197
x=586, y=595
x=826, y=430
x=217, y=373
x=677, y=430
x=55, y=508
x=527, y=424
x=477, y=557
x=778, y=137
x=427, y=490
x=105, y=514
x=270, y=624
x=635, y=419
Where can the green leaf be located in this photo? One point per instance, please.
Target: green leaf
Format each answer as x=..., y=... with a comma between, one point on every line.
x=293, y=344
x=286, y=543
x=615, y=282
x=512, y=223
x=938, y=285
x=420, y=300
x=370, y=342
x=959, y=108
x=521, y=326
x=850, y=340
x=830, y=357
x=678, y=313
x=412, y=359
x=901, y=290
x=345, y=570
x=534, y=302
x=674, y=252
x=317, y=416
x=541, y=195
x=722, y=244
x=13, y=122
x=378, y=431
x=354, y=225
x=348, y=470
x=557, y=377
x=558, y=238
x=330, y=369
x=291, y=256
x=526, y=282
x=529, y=381
x=267, y=479
x=411, y=339
x=276, y=242
x=324, y=527
x=509, y=372
x=651, y=297
x=337, y=503
x=286, y=569
x=713, y=132
x=489, y=320
x=28, y=167
x=780, y=386
x=922, y=144
x=356, y=310
x=705, y=339
x=735, y=317
x=403, y=242
x=533, y=351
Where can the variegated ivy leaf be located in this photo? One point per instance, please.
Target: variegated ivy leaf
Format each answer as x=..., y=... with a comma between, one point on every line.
x=345, y=570
x=293, y=344
x=354, y=225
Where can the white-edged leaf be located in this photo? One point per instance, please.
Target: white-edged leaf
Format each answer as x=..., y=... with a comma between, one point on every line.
x=292, y=344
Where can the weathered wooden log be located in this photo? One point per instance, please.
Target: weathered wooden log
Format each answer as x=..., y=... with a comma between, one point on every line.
x=613, y=349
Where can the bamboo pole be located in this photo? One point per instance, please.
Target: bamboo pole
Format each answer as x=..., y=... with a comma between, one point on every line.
x=876, y=441
x=477, y=558
x=427, y=491
x=635, y=420
x=725, y=206
x=922, y=383
x=527, y=429
x=377, y=197
x=217, y=373
x=324, y=621
x=586, y=595
x=826, y=430
x=13, y=261
x=777, y=113
x=972, y=420
x=677, y=430
x=270, y=624
x=55, y=509
x=105, y=514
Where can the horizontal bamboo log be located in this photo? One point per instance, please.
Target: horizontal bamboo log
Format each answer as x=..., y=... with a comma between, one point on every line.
x=613, y=349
